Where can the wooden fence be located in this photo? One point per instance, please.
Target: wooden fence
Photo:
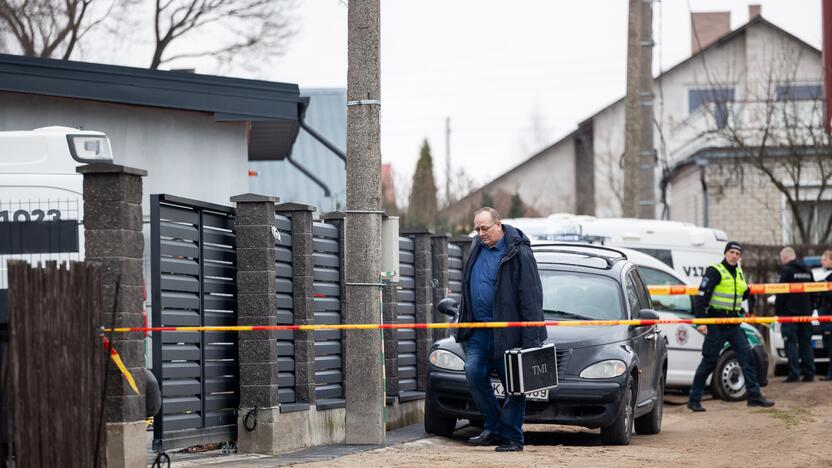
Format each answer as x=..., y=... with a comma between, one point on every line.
x=57, y=365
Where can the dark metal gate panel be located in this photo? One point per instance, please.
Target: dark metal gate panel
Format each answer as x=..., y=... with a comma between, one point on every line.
x=329, y=375
x=406, y=314
x=455, y=272
x=194, y=283
x=285, y=307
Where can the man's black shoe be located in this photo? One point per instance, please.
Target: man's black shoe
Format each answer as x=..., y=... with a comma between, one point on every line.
x=791, y=380
x=760, y=401
x=826, y=377
x=808, y=379
x=695, y=406
x=510, y=446
x=485, y=438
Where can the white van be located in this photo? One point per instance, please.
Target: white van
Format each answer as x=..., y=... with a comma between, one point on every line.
x=41, y=195
x=686, y=248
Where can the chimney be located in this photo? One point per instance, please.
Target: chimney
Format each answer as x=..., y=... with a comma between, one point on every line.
x=754, y=11
x=707, y=27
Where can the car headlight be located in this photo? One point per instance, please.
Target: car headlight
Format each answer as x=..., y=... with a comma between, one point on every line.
x=604, y=370
x=446, y=360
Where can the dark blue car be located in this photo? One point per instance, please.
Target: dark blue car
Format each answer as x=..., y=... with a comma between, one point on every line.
x=610, y=377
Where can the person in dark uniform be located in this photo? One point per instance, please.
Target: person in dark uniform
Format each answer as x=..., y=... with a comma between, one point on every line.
x=797, y=337
x=721, y=293
x=825, y=308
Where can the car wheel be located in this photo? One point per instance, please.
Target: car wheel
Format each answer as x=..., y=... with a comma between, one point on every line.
x=781, y=369
x=727, y=381
x=651, y=423
x=619, y=432
x=436, y=424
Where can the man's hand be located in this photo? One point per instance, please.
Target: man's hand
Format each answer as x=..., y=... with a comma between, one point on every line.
x=703, y=329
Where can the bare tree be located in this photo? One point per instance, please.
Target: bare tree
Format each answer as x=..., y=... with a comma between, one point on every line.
x=777, y=132
x=51, y=28
x=230, y=29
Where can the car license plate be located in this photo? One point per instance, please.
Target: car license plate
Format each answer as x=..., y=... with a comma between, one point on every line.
x=539, y=395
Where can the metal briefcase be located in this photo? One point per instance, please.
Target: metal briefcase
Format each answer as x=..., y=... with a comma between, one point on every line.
x=531, y=369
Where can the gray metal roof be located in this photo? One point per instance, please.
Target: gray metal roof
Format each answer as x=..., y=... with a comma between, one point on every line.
x=326, y=114
x=272, y=108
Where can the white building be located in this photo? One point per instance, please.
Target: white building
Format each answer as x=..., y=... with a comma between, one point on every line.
x=722, y=93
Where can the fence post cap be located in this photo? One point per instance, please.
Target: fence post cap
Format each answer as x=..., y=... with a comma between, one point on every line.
x=291, y=206
x=443, y=234
x=102, y=168
x=253, y=198
x=334, y=215
x=461, y=238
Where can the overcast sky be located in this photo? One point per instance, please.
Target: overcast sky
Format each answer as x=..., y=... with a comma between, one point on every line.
x=492, y=66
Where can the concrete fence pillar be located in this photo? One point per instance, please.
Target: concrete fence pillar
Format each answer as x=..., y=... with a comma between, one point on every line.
x=257, y=305
x=423, y=276
x=113, y=238
x=439, y=261
x=302, y=297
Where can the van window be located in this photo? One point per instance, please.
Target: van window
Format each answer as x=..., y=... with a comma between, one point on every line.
x=676, y=303
x=663, y=255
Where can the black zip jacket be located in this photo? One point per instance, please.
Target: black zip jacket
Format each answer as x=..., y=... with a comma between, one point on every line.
x=518, y=296
x=706, y=289
x=793, y=304
x=824, y=299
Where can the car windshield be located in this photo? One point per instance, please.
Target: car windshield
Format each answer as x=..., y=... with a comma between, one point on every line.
x=583, y=296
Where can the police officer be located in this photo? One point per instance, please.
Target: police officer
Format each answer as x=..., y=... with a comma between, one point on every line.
x=721, y=293
x=797, y=337
x=825, y=308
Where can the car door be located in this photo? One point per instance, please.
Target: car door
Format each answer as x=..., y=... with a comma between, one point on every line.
x=643, y=338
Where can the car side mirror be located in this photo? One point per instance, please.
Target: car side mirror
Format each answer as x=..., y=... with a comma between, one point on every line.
x=648, y=314
x=448, y=307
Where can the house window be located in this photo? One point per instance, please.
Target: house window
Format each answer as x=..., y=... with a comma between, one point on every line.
x=793, y=92
x=718, y=96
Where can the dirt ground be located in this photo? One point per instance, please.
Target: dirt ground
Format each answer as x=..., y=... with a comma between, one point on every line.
x=797, y=432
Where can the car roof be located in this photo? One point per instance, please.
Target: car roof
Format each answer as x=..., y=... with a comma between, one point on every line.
x=590, y=256
x=597, y=257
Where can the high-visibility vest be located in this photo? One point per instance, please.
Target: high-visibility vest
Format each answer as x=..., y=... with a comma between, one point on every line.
x=728, y=293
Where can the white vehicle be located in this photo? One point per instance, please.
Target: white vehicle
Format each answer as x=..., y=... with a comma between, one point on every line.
x=684, y=342
x=41, y=195
x=777, y=347
x=686, y=248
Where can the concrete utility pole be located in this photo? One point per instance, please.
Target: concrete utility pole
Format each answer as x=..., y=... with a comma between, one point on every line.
x=364, y=383
x=639, y=151
x=448, y=161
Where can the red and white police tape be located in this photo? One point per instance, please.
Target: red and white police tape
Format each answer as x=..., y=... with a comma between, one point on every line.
x=762, y=288
x=555, y=323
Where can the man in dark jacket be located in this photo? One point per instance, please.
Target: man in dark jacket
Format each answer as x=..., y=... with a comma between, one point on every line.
x=500, y=283
x=797, y=337
x=721, y=293
x=825, y=308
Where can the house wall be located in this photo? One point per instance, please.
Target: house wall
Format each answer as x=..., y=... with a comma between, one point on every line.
x=685, y=197
x=744, y=204
x=185, y=153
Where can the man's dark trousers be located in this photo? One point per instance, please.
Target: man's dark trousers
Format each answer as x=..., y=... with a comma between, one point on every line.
x=505, y=420
x=714, y=340
x=797, y=338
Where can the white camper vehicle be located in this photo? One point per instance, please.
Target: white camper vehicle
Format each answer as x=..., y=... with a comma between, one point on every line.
x=41, y=195
x=686, y=248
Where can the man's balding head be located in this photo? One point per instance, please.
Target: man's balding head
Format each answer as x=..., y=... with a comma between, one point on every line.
x=787, y=254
